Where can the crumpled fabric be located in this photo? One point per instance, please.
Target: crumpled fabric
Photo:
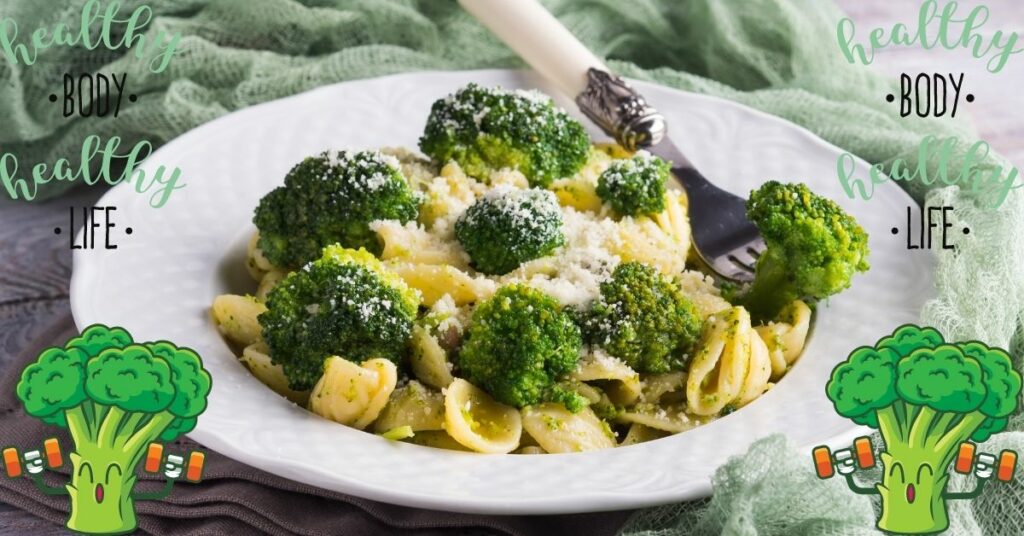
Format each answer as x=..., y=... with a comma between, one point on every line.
x=778, y=56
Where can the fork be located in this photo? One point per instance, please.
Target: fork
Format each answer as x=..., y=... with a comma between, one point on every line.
x=725, y=240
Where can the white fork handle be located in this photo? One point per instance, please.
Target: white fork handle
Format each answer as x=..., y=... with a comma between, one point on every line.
x=537, y=37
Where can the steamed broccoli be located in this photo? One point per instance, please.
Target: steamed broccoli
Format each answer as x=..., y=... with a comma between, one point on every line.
x=814, y=248
x=345, y=304
x=636, y=186
x=114, y=397
x=644, y=319
x=332, y=198
x=489, y=129
x=508, y=227
x=517, y=347
x=925, y=397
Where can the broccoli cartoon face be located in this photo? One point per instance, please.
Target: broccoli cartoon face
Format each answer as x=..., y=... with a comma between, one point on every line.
x=929, y=399
x=116, y=398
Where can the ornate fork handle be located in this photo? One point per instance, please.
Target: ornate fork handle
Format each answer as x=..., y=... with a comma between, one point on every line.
x=620, y=111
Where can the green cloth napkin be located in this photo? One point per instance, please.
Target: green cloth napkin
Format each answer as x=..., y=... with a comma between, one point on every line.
x=778, y=56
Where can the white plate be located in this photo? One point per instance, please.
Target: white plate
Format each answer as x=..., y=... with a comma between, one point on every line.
x=161, y=280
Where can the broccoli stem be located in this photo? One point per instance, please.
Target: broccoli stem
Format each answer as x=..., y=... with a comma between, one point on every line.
x=148, y=433
x=770, y=291
x=78, y=425
x=960, y=432
x=110, y=426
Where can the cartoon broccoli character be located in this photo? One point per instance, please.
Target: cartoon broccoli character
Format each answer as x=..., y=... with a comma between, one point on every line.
x=927, y=398
x=115, y=397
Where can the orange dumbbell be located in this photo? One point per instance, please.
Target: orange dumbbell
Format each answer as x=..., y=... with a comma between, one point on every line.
x=196, y=460
x=12, y=462
x=823, y=462
x=51, y=447
x=1007, y=465
x=154, y=457
x=843, y=461
x=865, y=452
x=965, y=458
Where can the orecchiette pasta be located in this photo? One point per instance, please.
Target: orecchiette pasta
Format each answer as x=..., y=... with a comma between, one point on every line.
x=662, y=241
x=236, y=318
x=718, y=371
x=437, y=440
x=701, y=290
x=434, y=281
x=671, y=418
x=759, y=371
x=352, y=394
x=639, y=433
x=658, y=388
x=558, y=430
x=598, y=365
x=785, y=339
x=412, y=405
x=256, y=358
x=256, y=262
x=429, y=362
x=478, y=422
x=269, y=281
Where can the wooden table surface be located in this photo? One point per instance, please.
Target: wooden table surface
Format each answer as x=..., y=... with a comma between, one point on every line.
x=35, y=264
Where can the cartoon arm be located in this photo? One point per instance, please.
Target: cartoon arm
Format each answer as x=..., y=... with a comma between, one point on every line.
x=37, y=479
x=162, y=493
x=966, y=494
x=858, y=489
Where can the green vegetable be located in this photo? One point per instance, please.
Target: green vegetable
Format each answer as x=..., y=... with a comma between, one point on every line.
x=345, y=304
x=332, y=198
x=508, y=227
x=518, y=345
x=114, y=397
x=814, y=248
x=487, y=129
x=926, y=397
x=636, y=186
x=644, y=319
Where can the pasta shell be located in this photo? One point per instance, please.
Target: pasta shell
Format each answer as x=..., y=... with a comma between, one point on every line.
x=414, y=406
x=558, y=430
x=428, y=360
x=256, y=358
x=351, y=394
x=478, y=422
x=720, y=367
x=236, y=317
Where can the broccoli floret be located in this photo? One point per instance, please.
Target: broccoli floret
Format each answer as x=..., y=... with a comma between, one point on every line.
x=486, y=129
x=332, y=198
x=644, y=319
x=508, y=227
x=345, y=304
x=635, y=186
x=518, y=345
x=814, y=248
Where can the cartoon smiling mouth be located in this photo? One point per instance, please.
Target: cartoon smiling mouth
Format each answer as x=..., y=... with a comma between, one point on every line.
x=910, y=493
x=99, y=493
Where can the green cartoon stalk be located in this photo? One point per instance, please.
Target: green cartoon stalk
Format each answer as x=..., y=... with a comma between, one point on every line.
x=114, y=397
x=926, y=397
